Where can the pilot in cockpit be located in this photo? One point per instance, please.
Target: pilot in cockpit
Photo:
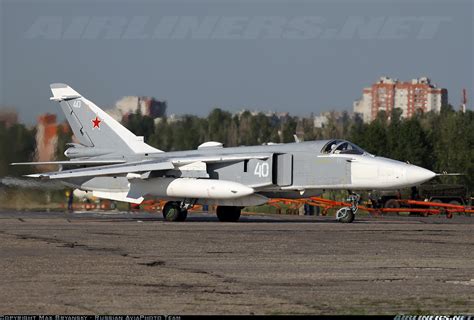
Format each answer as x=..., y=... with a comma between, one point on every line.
x=342, y=147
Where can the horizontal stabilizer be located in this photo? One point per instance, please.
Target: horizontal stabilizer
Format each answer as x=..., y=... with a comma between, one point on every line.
x=63, y=92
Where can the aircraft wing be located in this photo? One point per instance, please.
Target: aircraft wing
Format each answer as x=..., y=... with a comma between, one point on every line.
x=69, y=163
x=117, y=169
x=220, y=158
x=145, y=166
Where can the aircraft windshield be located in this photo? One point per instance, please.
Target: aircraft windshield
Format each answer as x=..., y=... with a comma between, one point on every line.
x=343, y=147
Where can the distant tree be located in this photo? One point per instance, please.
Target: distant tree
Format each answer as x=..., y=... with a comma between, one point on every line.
x=395, y=146
x=453, y=144
x=64, y=135
x=18, y=145
x=373, y=138
x=247, y=137
x=139, y=124
x=413, y=145
x=218, y=123
x=288, y=129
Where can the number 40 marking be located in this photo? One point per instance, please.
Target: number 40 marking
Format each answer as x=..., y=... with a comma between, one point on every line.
x=262, y=170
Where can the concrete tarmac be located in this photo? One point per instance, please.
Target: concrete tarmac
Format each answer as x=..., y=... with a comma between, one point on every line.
x=135, y=263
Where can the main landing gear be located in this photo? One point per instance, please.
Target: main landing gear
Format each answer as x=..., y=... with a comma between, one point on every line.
x=175, y=211
x=347, y=214
x=228, y=213
x=178, y=211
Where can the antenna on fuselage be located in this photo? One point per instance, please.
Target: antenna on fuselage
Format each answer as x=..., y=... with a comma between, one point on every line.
x=297, y=140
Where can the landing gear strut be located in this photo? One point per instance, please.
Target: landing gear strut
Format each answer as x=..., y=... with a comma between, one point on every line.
x=174, y=211
x=347, y=214
x=228, y=214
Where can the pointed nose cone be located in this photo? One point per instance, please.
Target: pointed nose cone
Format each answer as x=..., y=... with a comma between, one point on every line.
x=417, y=175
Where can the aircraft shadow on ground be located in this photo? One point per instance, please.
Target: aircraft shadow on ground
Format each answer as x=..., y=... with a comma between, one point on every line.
x=212, y=219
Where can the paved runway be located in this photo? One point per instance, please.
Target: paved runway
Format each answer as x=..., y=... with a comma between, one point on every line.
x=137, y=263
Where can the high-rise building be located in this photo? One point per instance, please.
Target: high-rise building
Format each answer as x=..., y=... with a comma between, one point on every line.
x=47, y=131
x=46, y=137
x=148, y=106
x=418, y=95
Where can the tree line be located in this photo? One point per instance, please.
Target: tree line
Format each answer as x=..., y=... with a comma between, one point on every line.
x=438, y=141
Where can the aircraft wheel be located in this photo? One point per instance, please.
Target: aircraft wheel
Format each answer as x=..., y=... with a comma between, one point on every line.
x=228, y=214
x=455, y=202
x=434, y=207
x=436, y=201
x=183, y=214
x=173, y=212
x=392, y=204
x=345, y=215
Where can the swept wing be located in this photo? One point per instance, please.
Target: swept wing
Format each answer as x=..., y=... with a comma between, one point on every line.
x=145, y=166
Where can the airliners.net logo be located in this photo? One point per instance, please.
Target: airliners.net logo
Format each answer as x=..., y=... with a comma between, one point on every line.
x=235, y=27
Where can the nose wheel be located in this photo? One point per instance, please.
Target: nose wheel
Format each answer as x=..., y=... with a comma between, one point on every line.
x=347, y=214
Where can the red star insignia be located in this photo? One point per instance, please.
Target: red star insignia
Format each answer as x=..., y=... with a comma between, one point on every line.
x=96, y=123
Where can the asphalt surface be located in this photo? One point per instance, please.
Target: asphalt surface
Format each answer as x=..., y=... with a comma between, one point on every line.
x=115, y=263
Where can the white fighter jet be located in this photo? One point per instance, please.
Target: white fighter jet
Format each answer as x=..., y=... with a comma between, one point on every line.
x=113, y=163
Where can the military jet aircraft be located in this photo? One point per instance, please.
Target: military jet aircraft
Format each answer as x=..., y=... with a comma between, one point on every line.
x=113, y=163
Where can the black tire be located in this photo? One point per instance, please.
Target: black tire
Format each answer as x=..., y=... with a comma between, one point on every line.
x=426, y=213
x=392, y=203
x=347, y=217
x=228, y=214
x=455, y=202
x=173, y=212
x=436, y=201
x=183, y=214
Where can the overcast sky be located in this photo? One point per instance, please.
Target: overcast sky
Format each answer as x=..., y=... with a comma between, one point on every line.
x=297, y=56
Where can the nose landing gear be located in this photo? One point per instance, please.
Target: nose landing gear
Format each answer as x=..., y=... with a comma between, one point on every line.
x=347, y=214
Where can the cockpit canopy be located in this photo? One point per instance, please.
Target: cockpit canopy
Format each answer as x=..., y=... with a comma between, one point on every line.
x=342, y=147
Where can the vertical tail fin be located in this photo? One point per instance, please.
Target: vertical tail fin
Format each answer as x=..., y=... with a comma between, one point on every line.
x=95, y=128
